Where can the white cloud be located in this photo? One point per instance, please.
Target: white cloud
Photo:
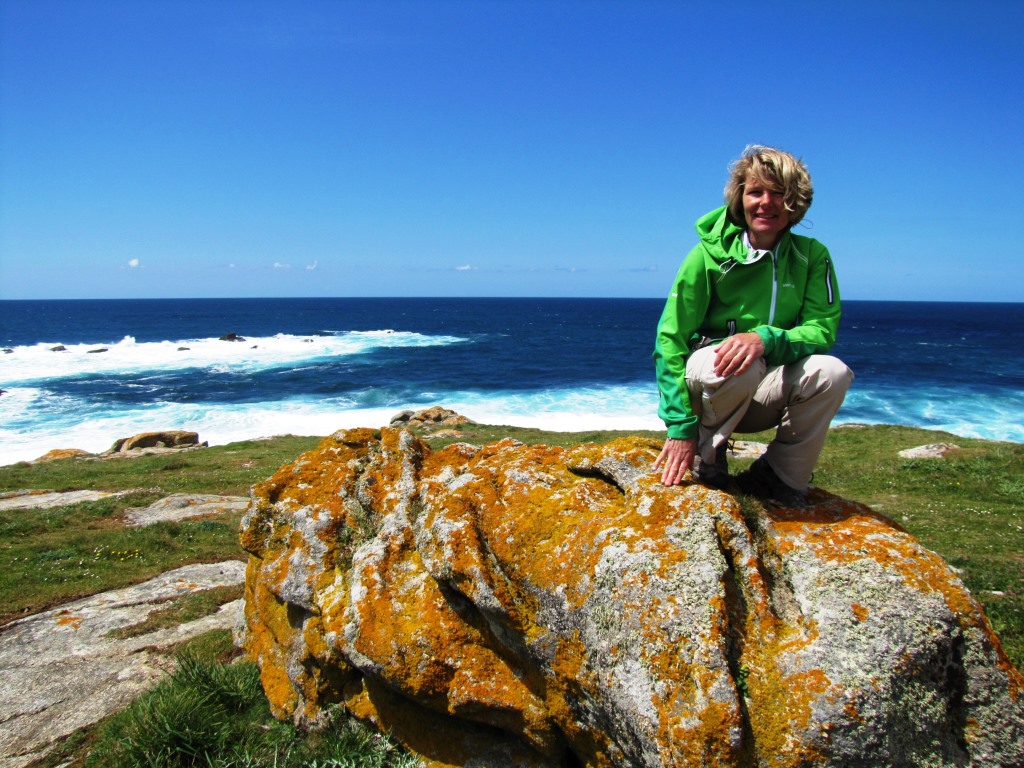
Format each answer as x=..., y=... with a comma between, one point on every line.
x=312, y=265
x=133, y=263
x=279, y=265
x=464, y=268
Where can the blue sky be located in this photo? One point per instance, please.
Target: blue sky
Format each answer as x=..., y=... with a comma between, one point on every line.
x=487, y=148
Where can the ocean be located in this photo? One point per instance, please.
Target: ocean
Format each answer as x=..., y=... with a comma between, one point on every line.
x=312, y=366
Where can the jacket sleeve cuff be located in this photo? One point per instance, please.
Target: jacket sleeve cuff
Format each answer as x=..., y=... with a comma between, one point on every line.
x=767, y=338
x=686, y=431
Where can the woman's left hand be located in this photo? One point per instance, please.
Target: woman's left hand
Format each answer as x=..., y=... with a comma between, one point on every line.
x=737, y=353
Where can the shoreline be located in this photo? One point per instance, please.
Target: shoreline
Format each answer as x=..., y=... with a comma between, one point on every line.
x=30, y=451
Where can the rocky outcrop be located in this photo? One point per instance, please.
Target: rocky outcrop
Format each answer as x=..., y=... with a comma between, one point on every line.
x=435, y=416
x=183, y=506
x=59, y=454
x=69, y=667
x=930, y=451
x=172, y=439
x=537, y=606
x=48, y=499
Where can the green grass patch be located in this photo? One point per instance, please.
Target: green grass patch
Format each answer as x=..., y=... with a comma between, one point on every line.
x=216, y=645
x=211, y=712
x=215, y=715
x=229, y=469
x=51, y=556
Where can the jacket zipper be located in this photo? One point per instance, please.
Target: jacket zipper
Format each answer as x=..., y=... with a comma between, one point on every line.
x=828, y=280
x=775, y=288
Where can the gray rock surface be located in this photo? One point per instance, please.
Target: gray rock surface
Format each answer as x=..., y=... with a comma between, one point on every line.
x=61, y=671
x=930, y=451
x=746, y=449
x=181, y=506
x=47, y=499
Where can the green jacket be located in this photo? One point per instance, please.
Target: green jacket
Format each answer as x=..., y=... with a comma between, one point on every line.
x=789, y=298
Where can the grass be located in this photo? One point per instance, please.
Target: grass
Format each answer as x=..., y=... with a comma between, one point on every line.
x=967, y=507
x=226, y=469
x=51, y=556
x=55, y=555
x=211, y=714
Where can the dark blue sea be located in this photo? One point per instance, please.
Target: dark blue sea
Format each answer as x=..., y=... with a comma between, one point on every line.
x=312, y=366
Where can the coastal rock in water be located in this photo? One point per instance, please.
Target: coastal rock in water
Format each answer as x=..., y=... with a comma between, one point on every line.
x=232, y=337
x=931, y=451
x=166, y=439
x=538, y=606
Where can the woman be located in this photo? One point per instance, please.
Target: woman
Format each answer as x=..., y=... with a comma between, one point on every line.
x=741, y=342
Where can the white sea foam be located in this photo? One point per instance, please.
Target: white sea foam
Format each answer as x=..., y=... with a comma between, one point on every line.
x=93, y=426
x=39, y=362
x=989, y=416
x=565, y=410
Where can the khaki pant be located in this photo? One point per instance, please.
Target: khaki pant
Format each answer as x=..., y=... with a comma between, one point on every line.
x=800, y=399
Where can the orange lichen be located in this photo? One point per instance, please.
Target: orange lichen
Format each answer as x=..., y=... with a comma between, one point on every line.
x=66, y=619
x=706, y=742
x=780, y=716
x=571, y=679
x=843, y=532
x=493, y=598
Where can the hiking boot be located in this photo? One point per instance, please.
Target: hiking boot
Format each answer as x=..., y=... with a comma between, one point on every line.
x=713, y=475
x=762, y=482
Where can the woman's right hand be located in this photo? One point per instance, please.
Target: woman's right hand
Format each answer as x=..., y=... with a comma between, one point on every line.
x=675, y=458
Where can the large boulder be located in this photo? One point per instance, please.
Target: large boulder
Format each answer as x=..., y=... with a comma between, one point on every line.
x=536, y=606
x=172, y=438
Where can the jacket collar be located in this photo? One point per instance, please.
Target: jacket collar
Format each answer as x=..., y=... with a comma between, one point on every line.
x=756, y=254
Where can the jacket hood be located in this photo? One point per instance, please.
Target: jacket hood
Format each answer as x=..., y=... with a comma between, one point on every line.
x=722, y=238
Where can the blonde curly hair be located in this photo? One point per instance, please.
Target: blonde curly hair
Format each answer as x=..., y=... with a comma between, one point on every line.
x=773, y=168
